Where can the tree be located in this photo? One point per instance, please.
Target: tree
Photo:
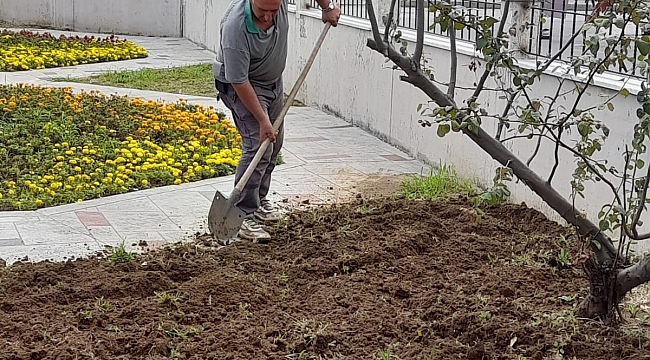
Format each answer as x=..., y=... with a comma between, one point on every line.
x=607, y=261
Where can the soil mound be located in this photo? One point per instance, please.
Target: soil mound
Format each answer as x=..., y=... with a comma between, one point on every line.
x=374, y=279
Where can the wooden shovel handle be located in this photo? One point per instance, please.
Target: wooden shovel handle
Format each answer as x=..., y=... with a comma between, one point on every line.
x=278, y=122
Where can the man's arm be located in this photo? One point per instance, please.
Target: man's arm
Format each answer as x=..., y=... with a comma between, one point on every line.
x=330, y=15
x=248, y=96
x=237, y=59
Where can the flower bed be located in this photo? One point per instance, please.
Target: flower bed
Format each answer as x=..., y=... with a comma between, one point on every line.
x=27, y=50
x=57, y=147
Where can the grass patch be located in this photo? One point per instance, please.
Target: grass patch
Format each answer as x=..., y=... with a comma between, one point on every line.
x=195, y=80
x=437, y=185
x=57, y=147
x=26, y=50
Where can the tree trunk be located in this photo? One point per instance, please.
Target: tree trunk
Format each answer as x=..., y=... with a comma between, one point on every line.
x=609, y=285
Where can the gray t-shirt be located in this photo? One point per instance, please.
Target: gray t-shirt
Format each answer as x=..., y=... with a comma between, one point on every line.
x=248, y=53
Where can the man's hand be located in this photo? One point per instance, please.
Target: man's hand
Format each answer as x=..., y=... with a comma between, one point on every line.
x=266, y=131
x=332, y=16
x=247, y=95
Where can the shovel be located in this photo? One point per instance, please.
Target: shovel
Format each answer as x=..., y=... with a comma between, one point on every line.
x=224, y=218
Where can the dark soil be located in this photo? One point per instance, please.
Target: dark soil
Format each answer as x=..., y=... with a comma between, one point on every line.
x=418, y=280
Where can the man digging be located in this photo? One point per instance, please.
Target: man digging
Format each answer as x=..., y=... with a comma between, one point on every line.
x=248, y=76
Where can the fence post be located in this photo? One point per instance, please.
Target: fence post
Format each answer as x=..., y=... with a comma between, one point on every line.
x=517, y=25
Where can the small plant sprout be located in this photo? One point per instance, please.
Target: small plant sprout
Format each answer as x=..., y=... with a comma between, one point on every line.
x=119, y=254
x=633, y=310
x=384, y=355
x=103, y=304
x=282, y=278
x=485, y=315
x=164, y=297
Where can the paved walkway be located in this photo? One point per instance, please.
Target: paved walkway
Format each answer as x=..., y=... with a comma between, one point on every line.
x=324, y=158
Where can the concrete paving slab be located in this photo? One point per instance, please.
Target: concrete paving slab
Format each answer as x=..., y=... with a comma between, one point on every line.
x=325, y=157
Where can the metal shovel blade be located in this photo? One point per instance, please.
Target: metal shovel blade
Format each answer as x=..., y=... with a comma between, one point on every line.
x=225, y=219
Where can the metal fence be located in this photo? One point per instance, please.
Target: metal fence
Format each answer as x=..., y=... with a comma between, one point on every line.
x=553, y=23
x=356, y=8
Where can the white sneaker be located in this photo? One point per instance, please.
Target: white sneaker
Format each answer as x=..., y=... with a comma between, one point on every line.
x=267, y=212
x=251, y=230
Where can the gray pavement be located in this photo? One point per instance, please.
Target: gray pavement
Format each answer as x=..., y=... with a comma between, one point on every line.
x=324, y=158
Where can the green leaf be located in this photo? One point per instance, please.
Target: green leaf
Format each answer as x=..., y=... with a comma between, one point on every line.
x=625, y=92
x=610, y=106
x=488, y=22
x=443, y=129
x=603, y=225
x=419, y=107
x=640, y=163
x=459, y=26
x=481, y=43
x=583, y=128
x=644, y=47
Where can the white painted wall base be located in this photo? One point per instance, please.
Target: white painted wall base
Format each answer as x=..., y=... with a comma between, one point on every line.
x=142, y=17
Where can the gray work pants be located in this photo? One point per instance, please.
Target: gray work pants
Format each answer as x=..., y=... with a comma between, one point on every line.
x=271, y=99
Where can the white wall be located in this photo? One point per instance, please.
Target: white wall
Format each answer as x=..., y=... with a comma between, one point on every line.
x=355, y=83
x=142, y=17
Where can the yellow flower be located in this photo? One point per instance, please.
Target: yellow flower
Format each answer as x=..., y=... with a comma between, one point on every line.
x=177, y=181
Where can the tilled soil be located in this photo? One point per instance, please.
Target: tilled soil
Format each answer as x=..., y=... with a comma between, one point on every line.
x=375, y=279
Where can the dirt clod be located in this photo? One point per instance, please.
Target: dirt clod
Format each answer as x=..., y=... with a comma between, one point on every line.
x=417, y=280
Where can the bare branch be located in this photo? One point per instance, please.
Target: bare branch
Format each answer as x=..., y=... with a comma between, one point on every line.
x=593, y=72
x=488, y=66
x=527, y=136
x=506, y=110
x=557, y=55
x=380, y=46
x=556, y=155
x=536, y=151
x=419, y=44
x=559, y=131
x=390, y=20
x=451, y=91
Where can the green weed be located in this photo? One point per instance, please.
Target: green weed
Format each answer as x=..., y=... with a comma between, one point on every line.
x=436, y=185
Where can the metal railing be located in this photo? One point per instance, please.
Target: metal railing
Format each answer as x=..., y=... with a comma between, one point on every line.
x=355, y=8
x=553, y=24
x=406, y=15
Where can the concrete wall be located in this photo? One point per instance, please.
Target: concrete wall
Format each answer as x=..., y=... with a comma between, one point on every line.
x=355, y=83
x=142, y=17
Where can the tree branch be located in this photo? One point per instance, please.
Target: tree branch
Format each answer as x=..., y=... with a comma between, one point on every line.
x=633, y=276
x=390, y=20
x=451, y=91
x=380, y=46
x=419, y=44
x=506, y=158
x=536, y=151
x=488, y=66
x=556, y=154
